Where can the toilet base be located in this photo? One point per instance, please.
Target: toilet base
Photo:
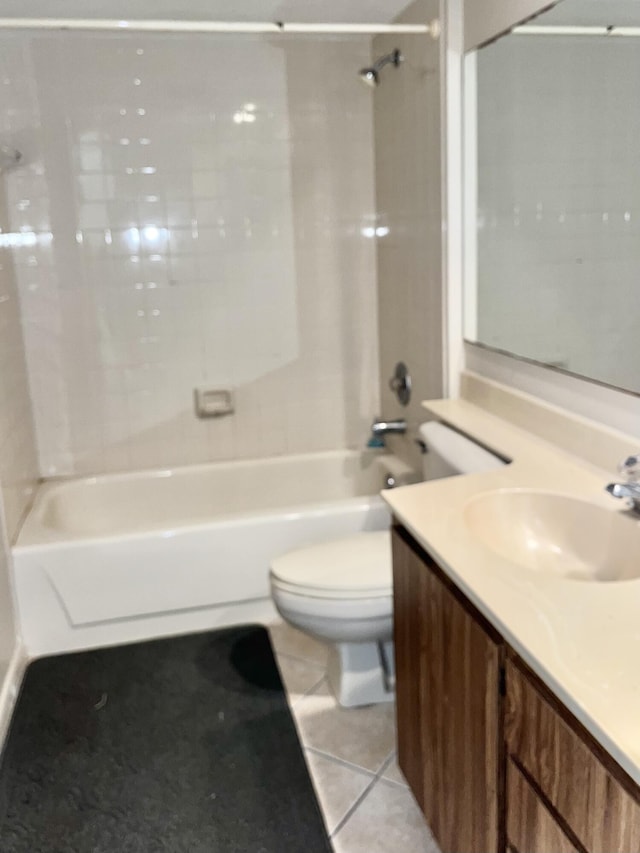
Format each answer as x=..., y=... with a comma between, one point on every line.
x=362, y=673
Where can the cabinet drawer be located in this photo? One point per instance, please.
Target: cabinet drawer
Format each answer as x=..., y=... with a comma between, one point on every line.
x=530, y=827
x=566, y=767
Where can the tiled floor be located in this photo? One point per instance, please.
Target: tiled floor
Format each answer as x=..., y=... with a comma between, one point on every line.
x=366, y=804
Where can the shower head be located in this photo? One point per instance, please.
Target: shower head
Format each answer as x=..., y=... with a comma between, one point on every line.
x=371, y=75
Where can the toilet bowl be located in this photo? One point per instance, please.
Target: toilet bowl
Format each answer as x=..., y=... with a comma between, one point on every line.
x=341, y=591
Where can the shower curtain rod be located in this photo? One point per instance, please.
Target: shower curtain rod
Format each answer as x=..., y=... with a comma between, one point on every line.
x=166, y=26
x=570, y=30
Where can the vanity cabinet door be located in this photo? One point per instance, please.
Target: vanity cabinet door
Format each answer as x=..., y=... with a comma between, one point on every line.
x=593, y=799
x=448, y=666
x=410, y=597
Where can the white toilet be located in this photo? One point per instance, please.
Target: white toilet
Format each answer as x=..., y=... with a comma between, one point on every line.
x=341, y=591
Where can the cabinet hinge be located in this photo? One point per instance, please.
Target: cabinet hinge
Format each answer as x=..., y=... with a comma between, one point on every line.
x=502, y=681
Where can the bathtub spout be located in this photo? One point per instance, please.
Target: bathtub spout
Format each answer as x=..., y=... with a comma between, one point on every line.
x=379, y=429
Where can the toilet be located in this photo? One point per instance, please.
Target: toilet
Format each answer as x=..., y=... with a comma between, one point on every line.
x=341, y=591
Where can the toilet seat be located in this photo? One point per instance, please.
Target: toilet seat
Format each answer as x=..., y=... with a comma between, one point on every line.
x=334, y=610
x=354, y=567
x=342, y=592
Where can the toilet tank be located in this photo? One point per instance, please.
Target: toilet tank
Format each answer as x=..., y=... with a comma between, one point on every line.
x=447, y=453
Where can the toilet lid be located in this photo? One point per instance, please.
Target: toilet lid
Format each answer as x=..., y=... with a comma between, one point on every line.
x=354, y=565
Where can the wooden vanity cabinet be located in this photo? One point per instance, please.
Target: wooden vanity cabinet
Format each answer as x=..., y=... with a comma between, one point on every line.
x=578, y=788
x=494, y=759
x=449, y=707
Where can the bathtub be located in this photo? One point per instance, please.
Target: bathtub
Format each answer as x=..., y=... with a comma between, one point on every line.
x=117, y=558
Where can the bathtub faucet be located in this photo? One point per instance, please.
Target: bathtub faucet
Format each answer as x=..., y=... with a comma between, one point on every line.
x=381, y=428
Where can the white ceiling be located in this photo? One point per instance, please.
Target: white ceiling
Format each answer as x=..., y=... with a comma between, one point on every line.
x=303, y=11
x=593, y=13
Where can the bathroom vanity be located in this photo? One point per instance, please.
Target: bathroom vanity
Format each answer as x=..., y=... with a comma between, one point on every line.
x=518, y=690
x=493, y=758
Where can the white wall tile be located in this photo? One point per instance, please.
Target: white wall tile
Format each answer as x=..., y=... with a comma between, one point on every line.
x=408, y=187
x=18, y=460
x=193, y=245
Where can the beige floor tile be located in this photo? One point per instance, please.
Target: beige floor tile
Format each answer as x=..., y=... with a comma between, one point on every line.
x=337, y=786
x=299, y=676
x=387, y=821
x=289, y=641
x=361, y=736
x=393, y=773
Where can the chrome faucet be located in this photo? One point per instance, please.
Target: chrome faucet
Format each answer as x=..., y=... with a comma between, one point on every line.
x=381, y=428
x=630, y=490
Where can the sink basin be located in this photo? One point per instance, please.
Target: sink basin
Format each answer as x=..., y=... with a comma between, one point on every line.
x=557, y=535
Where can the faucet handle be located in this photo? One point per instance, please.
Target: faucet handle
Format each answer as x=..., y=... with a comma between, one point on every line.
x=630, y=467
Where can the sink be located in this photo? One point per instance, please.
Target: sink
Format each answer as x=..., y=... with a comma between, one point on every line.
x=557, y=535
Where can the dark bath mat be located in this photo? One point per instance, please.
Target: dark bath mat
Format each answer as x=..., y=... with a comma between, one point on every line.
x=183, y=745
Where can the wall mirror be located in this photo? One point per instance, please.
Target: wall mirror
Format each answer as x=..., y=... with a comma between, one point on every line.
x=552, y=185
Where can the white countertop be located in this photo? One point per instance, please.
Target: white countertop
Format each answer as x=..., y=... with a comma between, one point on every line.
x=582, y=638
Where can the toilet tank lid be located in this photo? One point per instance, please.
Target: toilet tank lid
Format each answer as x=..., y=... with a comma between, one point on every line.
x=459, y=452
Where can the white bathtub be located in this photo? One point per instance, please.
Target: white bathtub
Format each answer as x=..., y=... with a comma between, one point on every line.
x=122, y=557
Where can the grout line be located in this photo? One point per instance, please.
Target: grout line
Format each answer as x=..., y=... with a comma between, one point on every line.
x=386, y=762
x=394, y=783
x=315, y=779
x=354, y=807
x=358, y=802
x=291, y=659
x=318, y=683
x=321, y=672
x=308, y=692
x=313, y=689
x=316, y=664
x=300, y=659
x=349, y=765
x=385, y=766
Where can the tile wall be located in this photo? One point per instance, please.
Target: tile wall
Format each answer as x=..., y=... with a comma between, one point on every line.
x=408, y=192
x=18, y=459
x=192, y=212
x=559, y=203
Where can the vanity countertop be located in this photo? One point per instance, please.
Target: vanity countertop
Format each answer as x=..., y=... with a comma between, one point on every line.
x=582, y=638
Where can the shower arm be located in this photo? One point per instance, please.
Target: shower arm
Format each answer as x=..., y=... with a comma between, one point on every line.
x=393, y=58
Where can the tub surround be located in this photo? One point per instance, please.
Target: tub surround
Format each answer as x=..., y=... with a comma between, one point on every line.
x=18, y=463
x=406, y=121
x=579, y=637
x=18, y=457
x=181, y=234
